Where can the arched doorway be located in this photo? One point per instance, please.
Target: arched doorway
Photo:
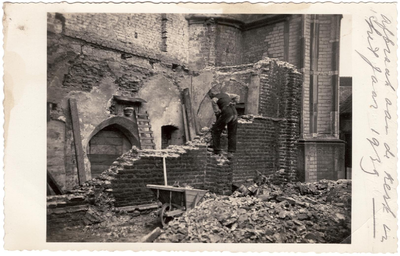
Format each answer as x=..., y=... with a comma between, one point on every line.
x=105, y=147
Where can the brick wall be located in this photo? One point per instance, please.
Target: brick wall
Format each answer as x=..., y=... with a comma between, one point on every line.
x=129, y=183
x=275, y=42
x=280, y=89
x=254, y=44
x=268, y=142
x=177, y=37
x=262, y=42
x=228, y=46
x=202, y=45
x=138, y=33
x=218, y=176
x=319, y=159
x=325, y=93
x=324, y=72
x=257, y=149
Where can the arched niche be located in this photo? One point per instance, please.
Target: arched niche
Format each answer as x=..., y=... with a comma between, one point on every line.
x=108, y=141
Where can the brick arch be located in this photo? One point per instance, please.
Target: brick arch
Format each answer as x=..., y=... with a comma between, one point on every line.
x=126, y=126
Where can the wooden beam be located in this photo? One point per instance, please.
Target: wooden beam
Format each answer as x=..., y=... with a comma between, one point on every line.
x=52, y=183
x=185, y=125
x=77, y=141
x=149, y=238
x=189, y=113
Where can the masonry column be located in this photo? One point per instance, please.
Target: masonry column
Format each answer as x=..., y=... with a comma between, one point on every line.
x=335, y=39
x=321, y=153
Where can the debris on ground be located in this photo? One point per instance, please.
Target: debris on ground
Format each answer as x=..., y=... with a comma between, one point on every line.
x=121, y=227
x=315, y=212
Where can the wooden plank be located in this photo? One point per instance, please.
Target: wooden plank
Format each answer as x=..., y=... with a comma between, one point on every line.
x=189, y=113
x=165, y=172
x=185, y=125
x=52, y=183
x=151, y=236
x=148, y=132
x=77, y=141
x=166, y=188
x=174, y=213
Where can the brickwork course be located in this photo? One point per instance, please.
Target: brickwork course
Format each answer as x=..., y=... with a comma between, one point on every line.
x=290, y=127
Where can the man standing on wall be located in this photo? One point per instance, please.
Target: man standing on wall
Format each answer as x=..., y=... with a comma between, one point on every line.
x=223, y=105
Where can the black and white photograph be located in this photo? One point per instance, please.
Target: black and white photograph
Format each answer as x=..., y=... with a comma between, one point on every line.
x=187, y=127
x=204, y=128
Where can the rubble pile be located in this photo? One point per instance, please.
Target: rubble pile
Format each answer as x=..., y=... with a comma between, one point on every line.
x=317, y=212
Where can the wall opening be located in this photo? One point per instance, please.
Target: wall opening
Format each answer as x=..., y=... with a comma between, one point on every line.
x=240, y=108
x=105, y=147
x=169, y=136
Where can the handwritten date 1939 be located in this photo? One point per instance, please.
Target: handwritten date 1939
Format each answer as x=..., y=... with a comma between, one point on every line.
x=377, y=56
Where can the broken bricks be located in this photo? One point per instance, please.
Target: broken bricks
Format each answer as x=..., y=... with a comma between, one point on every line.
x=279, y=214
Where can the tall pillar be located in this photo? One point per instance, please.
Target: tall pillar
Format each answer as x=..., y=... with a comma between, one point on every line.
x=321, y=153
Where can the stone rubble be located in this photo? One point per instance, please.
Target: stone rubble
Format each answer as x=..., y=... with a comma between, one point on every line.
x=317, y=212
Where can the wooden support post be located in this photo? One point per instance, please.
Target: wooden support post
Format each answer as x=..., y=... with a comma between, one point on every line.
x=149, y=238
x=52, y=183
x=165, y=172
x=189, y=113
x=77, y=141
x=185, y=125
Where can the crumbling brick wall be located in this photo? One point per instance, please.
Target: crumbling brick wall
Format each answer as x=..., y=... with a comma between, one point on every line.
x=124, y=183
x=90, y=62
x=268, y=142
x=257, y=148
x=186, y=165
x=128, y=186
